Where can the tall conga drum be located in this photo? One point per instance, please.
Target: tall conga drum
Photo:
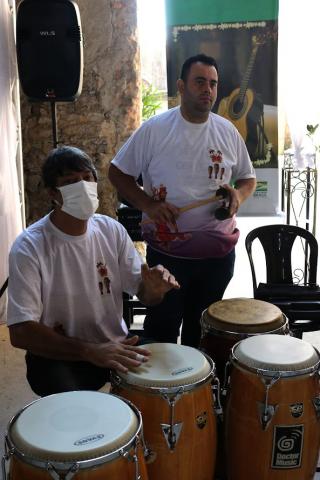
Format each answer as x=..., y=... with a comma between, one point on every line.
x=226, y=322
x=75, y=436
x=173, y=391
x=273, y=409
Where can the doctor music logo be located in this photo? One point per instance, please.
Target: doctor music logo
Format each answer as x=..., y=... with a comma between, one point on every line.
x=287, y=446
x=89, y=439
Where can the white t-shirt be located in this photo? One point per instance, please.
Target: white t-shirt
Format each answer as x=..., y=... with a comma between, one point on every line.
x=75, y=281
x=182, y=162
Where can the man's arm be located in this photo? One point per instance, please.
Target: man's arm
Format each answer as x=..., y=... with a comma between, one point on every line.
x=155, y=283
x=243, y=189
x=45, y=341
x=159, y=211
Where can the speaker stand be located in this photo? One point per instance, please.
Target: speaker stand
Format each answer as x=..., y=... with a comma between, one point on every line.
x=54, y=123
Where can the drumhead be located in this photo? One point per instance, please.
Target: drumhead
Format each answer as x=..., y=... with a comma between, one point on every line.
x=243, y=315
x=276, y=353
x=169, y=365
x=73, y=426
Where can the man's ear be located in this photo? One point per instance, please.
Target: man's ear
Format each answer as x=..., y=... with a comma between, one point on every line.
x=55, y=196
x=180, y=86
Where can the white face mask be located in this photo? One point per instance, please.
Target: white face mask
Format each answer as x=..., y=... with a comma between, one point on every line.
x=80, y=200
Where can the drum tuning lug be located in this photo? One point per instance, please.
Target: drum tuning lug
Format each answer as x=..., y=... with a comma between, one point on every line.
x=266, y=414
x=116, y=380
x=316, y=404
x=171, y=433
x=226, y=380
x=68, y=476
x=216, y=393
x=73, y=470
x=219, y=413
x=149, y=456
x=224, y=392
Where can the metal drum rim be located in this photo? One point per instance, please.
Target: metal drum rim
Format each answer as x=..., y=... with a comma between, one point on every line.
x=117, y=380
x=271, y=373
x=215, y=330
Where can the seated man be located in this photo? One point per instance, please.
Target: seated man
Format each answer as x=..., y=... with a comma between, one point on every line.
x=67, y=274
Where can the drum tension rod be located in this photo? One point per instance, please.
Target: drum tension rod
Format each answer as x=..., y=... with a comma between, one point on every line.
x=132, y=458
x=216, y=394
x=147, y=452
x=5, y=458
x=226, y=379
x=267, y=411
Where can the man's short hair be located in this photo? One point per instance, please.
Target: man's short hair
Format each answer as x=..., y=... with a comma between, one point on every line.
x=63, y=160
x=202, y=58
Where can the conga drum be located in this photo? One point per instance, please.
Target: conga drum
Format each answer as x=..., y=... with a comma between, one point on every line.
x=226, y=322
x=75, y=435
x=173, y=391
x=273, y=409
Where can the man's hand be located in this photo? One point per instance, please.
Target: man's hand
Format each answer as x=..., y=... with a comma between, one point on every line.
x=244, y=188
x=157, y=210
x=155, y=283
x=118, y=356
x=158, y=279
x=163, y=212
x=233, y=200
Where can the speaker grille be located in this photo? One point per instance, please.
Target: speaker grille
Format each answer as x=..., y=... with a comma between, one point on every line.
x=49, y=49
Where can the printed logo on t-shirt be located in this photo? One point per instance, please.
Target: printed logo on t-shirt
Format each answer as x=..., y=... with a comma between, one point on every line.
x=104, y=281
x=216, y=169
x=159, y=193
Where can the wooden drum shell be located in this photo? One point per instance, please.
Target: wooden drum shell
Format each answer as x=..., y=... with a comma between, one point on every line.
x=248, y=447
x=272, y=416
x=194, y=455
x=173, y=392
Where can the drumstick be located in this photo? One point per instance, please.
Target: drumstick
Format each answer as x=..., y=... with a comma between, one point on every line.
x=199, y=203
x=221, y=193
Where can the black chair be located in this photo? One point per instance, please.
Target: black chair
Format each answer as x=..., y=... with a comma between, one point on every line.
x=131, y=307
x=293, y=289
x=130, y=218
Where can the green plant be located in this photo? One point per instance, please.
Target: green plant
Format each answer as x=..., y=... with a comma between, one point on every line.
x=311, y=134
x=151, y=101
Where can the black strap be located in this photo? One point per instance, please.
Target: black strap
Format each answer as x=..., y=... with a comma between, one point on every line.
x=3, y=288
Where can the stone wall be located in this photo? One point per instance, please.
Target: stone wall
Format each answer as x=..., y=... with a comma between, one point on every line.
x=105, y=114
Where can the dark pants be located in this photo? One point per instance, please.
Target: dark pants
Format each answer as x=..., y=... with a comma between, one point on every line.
x=47, y=376
x=202, y=282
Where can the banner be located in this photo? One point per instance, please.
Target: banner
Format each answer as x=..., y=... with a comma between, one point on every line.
x=242, y=35
x=10, y=209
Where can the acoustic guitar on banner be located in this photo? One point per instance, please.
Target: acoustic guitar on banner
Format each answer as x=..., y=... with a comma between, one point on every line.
x=242, y=101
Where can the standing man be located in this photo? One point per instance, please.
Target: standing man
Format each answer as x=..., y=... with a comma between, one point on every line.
x=67, y=274
x=173, y=150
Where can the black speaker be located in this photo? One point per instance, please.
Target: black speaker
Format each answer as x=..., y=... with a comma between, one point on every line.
x=49, y=50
